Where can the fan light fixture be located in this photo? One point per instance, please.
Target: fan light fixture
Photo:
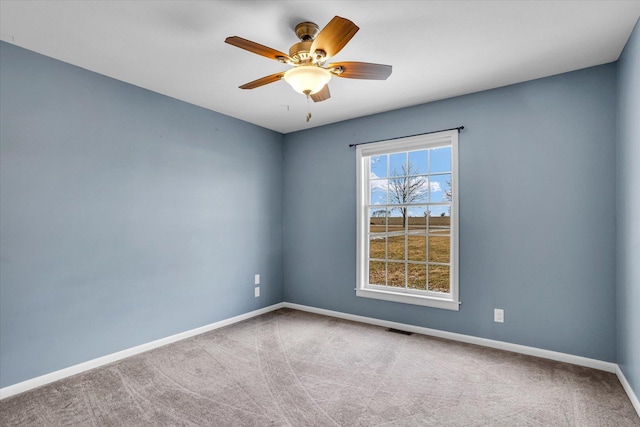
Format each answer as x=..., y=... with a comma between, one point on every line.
x=307, y=79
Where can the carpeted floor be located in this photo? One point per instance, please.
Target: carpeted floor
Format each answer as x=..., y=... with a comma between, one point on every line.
x=290, y=368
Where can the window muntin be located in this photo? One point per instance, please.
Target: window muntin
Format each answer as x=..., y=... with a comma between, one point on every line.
x=407, y=220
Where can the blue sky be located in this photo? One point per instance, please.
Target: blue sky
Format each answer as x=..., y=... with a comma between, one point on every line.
x=432, y=165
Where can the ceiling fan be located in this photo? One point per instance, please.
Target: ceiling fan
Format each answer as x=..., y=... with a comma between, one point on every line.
x=309, y=75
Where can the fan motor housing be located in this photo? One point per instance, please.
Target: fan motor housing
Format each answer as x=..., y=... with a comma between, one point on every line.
x=299, y=52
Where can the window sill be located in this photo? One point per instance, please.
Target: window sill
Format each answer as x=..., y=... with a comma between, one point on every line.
x=426, y=301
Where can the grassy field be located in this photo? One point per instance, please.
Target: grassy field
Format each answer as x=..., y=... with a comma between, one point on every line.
x=411, y=246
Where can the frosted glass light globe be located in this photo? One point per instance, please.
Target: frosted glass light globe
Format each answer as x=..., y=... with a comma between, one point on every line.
x=307, y=79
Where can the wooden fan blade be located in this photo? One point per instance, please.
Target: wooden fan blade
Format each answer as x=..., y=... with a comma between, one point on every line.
x=362, y=70
x=323, y=95
x=263, y=81
x=257, y=48
x=334, y=36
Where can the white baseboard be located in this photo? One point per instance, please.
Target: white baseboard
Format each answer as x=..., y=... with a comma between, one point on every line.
x=113, y=357
x=501, y=345
x=627, y=387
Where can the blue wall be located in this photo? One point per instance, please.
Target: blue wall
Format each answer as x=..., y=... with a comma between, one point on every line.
x=125, y=216
x=628, y=232
x=537, y=213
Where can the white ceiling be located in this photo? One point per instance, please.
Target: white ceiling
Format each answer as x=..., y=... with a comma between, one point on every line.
x=438, y=49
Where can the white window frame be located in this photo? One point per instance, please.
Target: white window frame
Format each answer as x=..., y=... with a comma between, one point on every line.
x=450, y=301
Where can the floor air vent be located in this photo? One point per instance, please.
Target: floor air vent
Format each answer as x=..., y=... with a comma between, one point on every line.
x=398, y=331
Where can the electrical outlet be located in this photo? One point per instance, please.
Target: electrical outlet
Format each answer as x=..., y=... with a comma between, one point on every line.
x=256, y=279
x=257, y=291
x=498, y=315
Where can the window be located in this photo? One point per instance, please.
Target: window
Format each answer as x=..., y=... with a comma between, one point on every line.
x=407, y=247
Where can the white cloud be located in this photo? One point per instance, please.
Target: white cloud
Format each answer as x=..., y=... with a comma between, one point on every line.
x=434, y=186
x=378, y=184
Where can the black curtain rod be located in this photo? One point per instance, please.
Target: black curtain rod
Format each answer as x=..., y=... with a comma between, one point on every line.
x=459, y=128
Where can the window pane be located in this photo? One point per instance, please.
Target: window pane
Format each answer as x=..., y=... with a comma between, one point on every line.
x=440, y=159
x=398, y=164
x=377, y=273
x=440, y=224
x=412, y=189
x=378, y=166
x=397, y=191
x=417, y=219
x=439, y=278
x=396, y=242
x=396, y=274
x=377, y=220
x=378, y=188
x=396, y=220
x=417, y=189
x=417, y=248
x=439, y=248
x=417, y=278
x=418, y=162
x=377, y=245
x=440, y=186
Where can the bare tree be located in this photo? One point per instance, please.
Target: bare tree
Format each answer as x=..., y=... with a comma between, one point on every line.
x=447, y=193
x=406, y=187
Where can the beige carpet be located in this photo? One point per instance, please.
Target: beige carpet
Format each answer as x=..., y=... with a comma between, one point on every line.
x=290, y=368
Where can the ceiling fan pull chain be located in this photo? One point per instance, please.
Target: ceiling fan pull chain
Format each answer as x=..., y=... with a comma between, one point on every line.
x=308, y=109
